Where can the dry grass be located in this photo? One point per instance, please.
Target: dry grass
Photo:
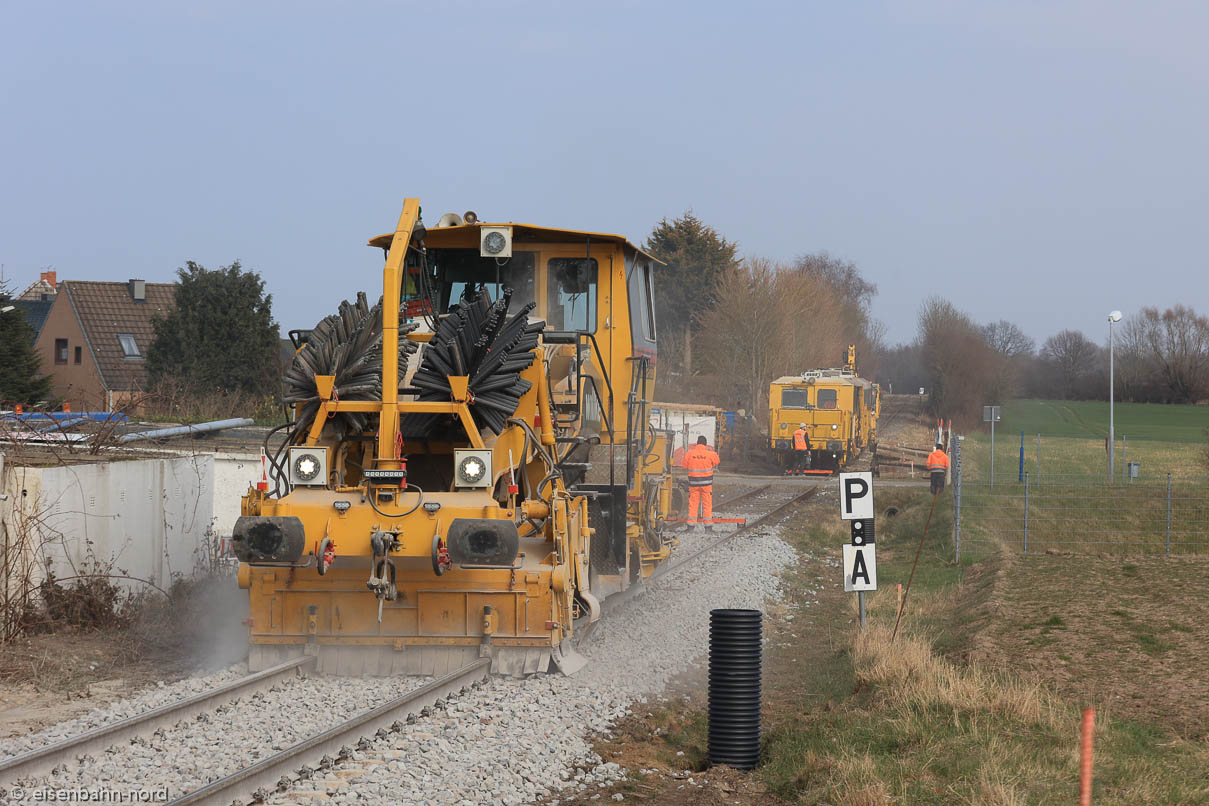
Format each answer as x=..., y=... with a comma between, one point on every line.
x=910, y=678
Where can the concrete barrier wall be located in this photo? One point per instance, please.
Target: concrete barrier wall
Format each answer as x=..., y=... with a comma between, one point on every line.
x=149, y=519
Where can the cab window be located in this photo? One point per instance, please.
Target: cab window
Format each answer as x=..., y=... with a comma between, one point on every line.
x=571, y=293
x=456, y=269
x=648, y=303
x=827, y=398
x=795, y=398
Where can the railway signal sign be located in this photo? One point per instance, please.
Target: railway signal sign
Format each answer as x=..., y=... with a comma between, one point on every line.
x=862, y=532
x=860, y=558
x=860, y=568
x=856, y=496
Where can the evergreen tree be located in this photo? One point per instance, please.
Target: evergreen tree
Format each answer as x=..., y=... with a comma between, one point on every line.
x=696, y=255
x=220, y=334
x=21, y=378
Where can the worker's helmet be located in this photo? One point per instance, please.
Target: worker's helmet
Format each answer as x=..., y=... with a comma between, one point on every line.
x=801, y=425
x=701, y=440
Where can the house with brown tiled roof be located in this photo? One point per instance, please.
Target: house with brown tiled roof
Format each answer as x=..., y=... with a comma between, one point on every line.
x=94, y=341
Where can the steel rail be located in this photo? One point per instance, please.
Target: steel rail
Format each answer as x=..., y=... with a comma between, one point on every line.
x=43, y=760
x=629, y=593
x=275, y=773
x=738, y=499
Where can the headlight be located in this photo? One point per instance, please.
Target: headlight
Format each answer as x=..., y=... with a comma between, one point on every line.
x=835, y=427
x=784, y=426
x=494, y=243
x=306, y=466
x=472, y=469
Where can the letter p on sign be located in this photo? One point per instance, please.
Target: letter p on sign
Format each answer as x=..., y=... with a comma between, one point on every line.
x=856, y=496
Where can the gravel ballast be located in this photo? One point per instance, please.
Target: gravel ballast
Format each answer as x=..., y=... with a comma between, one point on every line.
x=147, y=699
x=509, y=741
x=217, y=743
x=513, y=741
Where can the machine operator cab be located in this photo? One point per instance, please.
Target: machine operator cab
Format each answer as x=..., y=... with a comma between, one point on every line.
x=595, y=294
x=593, y=289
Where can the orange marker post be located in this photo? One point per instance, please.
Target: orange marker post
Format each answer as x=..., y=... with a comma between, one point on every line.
x=1089, y=729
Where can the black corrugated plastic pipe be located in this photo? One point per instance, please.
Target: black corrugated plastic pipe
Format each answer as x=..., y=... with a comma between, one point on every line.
x=734, y=687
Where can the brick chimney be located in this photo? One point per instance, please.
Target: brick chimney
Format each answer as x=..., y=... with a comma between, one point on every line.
x=51, y=279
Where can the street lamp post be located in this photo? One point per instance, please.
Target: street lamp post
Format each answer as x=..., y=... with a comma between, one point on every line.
x=1113, y=317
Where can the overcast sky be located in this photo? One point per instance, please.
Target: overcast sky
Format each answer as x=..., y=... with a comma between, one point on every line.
x=1042, y=162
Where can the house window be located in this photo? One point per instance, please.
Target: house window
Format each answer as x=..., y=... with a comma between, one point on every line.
x=130, y=348
x=60, y=351
x=79, y=354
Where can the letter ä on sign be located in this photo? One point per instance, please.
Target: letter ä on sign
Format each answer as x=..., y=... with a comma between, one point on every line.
x=860, y=568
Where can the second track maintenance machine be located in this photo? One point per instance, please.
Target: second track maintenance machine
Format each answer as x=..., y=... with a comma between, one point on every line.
x=839, y=409
x=469, y=468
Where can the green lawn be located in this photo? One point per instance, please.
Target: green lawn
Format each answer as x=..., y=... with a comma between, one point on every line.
x=1067, y=438
x=1071, y=418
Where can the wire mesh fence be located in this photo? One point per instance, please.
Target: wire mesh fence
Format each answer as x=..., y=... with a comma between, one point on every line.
x=1078, y=513
x=1057, y=455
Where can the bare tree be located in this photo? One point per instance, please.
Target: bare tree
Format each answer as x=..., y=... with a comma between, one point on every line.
x=767, y=322
x=854, y=295
x=1007, y=339
x=1069, y=358
x=1177, y=341
x=1012, y=350
x=959, y=363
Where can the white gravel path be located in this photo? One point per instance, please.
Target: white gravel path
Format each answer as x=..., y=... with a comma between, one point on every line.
x=140, y=702
x=513, y=741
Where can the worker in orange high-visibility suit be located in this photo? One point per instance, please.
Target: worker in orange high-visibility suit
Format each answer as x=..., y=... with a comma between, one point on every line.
x=938, y=466
x=700, y=461
x=801, y=451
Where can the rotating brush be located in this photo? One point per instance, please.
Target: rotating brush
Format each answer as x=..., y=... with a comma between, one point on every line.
x=348, y=345
x=477, y=339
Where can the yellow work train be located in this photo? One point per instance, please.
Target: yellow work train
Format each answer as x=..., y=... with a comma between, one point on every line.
x=469, y=470
x=839, y=409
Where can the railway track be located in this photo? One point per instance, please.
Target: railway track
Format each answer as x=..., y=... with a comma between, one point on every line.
x=327, y=748
x=43, y=760
x=257, y=780
x=696, y=553
x=322, y=750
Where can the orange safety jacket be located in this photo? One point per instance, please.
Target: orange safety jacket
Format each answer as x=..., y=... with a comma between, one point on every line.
x=801, y=440
x=700, y=461
x=937, y=460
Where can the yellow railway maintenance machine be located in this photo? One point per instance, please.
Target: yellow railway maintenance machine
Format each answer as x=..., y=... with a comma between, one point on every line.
x=469, y=470
x=839, y=408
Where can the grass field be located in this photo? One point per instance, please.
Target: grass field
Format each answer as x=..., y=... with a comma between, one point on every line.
x=1089, y=418
x=977, y=701
x=1067, y=438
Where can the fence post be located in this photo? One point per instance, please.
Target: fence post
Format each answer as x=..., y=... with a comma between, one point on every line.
x=1125, y=461
x=1038, y=456
x=1026, y=513
x=956, y=469
x=1020, y=473
x=1167, y=542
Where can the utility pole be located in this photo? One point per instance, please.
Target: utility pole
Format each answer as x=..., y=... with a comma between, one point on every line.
x=1113, y=317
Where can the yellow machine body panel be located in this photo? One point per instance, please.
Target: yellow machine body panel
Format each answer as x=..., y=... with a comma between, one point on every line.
x=499, y=481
